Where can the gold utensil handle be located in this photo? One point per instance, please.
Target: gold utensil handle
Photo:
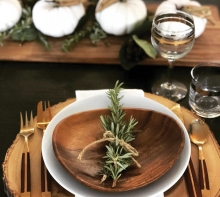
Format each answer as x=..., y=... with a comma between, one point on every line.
x=25, y=173
x=191, y=181
x=45, y=180
x=192, y=184
x=203, y=175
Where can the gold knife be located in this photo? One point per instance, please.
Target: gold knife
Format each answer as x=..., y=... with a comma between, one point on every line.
x=193, y=186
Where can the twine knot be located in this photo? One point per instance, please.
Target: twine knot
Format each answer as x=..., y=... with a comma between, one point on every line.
x=110, y=137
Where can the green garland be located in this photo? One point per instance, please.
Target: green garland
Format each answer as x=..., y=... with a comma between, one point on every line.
x=133, y=50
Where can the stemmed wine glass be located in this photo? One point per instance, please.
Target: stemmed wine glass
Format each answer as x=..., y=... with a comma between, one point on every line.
x=172, y=35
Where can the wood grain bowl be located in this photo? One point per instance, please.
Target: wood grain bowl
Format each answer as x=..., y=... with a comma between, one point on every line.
x=159, y=144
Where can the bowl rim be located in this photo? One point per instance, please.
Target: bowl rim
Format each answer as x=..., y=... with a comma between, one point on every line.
x=154, y=176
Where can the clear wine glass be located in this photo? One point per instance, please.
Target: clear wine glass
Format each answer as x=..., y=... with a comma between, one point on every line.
x=172, y=35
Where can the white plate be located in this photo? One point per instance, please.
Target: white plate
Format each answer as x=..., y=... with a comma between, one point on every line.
x=102, y=101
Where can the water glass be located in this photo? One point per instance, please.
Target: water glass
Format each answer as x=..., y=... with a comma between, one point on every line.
x=204, y=95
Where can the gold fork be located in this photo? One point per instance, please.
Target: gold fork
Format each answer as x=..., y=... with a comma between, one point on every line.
x=26, y=129
x=44, y=117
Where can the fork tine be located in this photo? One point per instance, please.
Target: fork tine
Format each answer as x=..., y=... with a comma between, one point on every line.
x=40, y=112
x=31, y=120
x=49, y=111
x=44, y=109
x=21, y=121
x=48, y=116
x=26, y=120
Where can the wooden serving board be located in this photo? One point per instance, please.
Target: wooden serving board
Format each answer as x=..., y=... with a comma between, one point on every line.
x=206, y=49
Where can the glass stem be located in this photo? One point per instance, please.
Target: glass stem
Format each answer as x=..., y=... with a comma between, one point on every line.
x=171, y=65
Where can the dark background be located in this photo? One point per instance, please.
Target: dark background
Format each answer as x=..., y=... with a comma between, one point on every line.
x=24, y=84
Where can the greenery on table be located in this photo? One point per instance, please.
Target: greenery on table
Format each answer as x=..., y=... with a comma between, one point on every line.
x=134, y=49
x=24, y=30
x=87, y=27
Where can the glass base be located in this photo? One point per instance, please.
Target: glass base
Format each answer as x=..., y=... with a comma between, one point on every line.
x=175, y=92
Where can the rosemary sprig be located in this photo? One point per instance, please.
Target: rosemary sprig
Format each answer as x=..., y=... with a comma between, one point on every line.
x=118, y=158
x=94, y=32
x=87, y=27
x=73, y=39
x=120, y=154
x=3, y=36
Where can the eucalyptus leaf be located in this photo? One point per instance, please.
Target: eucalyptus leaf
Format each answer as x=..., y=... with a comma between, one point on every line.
x=28, y=34
x=146, y=46
x=144, y=29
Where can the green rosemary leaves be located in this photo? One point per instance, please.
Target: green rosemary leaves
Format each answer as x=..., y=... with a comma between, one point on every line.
x=120, y=154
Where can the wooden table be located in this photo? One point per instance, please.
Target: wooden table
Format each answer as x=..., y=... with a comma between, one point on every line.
x=206, y=49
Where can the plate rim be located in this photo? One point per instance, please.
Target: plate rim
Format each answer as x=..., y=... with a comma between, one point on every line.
x=81, y=105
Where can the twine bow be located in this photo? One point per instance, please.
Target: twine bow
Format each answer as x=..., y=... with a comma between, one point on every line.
x=109, y=136
x=202, y=12
x=104, y=4
x=68, y=2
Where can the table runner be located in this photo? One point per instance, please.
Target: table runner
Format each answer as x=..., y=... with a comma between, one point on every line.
x=12, y=164
x=205, y=49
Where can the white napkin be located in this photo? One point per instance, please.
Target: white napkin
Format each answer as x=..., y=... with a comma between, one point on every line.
x=80, y=94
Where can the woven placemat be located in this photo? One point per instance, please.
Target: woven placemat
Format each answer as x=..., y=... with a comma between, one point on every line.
x=12, y=163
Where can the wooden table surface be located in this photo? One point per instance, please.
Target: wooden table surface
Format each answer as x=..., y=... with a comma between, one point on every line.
x=206, y=49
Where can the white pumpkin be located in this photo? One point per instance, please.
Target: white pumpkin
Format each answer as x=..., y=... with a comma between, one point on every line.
x=10, y=14
x=56, y=21
x=172, y=5
x=122, y=18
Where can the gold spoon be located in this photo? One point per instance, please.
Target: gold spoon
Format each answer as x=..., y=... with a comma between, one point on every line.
x=190, y=174
x=198, y=135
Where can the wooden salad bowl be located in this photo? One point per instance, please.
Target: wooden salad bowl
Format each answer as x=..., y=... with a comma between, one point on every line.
x=159, y=143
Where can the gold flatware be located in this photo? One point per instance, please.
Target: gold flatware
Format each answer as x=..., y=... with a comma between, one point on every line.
x=198, y=135
x=190, y=174
x=26, y=129
x=44, y=117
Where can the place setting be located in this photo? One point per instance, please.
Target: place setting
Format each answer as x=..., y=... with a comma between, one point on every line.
x=66, y=178
x=76, y=124
x=125, y=142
